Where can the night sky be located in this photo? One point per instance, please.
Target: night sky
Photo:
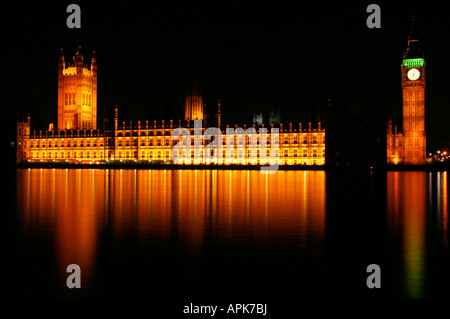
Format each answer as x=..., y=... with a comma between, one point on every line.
x=286, y=56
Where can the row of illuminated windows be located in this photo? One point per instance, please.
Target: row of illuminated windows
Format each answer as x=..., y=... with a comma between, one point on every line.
x=240, y=153
x=66, y=154
x=305, y=139
x=67, y=143
x=151, y=154
x=292, y=137
x=238, y=140
x=165, y=154
x=121, y=143
x=69, y=98
x=250, y=153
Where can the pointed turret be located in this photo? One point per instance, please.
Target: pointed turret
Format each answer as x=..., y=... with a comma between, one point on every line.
x=62, y=63
x=414, y=50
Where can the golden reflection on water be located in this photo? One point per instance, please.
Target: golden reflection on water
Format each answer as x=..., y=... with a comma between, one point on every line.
x=66, y=206
x=408, y=194
x=74, y=207
x=406, y=204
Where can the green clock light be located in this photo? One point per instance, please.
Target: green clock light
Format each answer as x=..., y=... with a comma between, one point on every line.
x=410, y=63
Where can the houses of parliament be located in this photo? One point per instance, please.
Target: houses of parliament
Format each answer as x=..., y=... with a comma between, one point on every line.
x=77, y=138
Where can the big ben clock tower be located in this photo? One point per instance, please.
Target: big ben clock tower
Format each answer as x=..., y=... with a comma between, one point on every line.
x=413, y=87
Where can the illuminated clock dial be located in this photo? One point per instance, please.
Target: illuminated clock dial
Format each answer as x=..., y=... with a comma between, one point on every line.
x=413, y=74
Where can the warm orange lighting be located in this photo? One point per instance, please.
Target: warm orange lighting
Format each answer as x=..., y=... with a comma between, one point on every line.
x=406, y=213
x=77, y=139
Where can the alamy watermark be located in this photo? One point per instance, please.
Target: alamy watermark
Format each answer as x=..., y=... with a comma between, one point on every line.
x=256, y=152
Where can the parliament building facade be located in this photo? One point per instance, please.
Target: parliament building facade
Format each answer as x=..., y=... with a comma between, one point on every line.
x=77, y=139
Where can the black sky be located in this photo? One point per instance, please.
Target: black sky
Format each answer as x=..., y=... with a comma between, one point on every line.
x=288, y=56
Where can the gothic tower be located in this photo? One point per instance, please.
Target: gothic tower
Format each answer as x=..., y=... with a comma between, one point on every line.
x=193, y=106
x=77, y=94
x=413, y=86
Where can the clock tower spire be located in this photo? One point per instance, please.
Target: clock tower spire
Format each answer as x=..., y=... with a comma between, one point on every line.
x=409, y=147
x=413, y=87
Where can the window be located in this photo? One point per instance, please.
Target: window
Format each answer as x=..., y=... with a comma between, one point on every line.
x=305, y=139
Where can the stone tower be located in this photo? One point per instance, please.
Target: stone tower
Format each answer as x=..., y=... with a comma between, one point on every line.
x=409, y=146
x=77, y=93
x=193, y=105
x=413, y=86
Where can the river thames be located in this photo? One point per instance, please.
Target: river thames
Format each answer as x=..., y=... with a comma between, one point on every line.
x=179, y=234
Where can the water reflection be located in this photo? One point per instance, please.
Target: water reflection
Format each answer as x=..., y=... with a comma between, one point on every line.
x=170, y=225
x=415, y=202
x=63, y=209
x=406, y=197
x=76, y=210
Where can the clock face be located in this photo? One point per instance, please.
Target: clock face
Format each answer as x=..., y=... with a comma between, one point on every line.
x=413, y=74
